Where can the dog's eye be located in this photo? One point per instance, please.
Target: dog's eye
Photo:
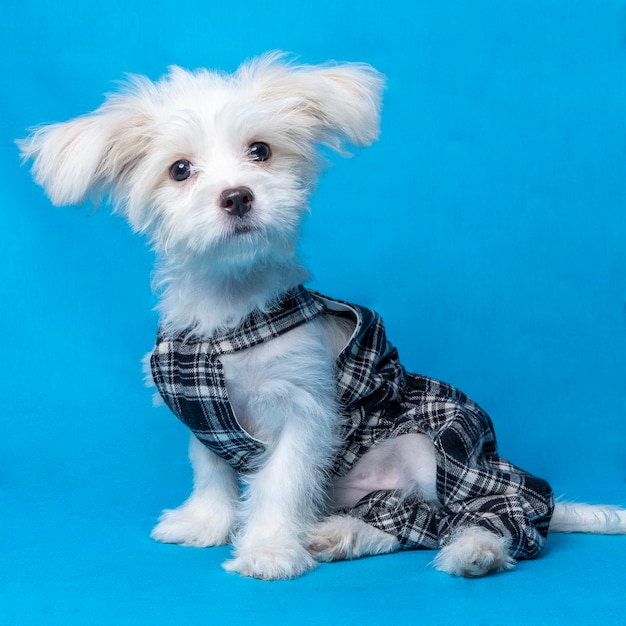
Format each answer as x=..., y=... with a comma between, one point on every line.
x=181, y=170
x=259, y=151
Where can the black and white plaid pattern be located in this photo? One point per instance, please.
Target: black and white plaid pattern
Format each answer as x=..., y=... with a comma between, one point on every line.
x=379, y=400
x=190, y=378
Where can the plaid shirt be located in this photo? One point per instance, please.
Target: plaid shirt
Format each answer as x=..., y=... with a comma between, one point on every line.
x=379, y=400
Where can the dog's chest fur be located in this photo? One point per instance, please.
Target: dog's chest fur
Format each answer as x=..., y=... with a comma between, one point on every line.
x=270, y=372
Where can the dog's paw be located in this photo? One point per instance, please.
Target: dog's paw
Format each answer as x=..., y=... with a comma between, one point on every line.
x=193, y=524
x=275, y=561
x=341, y=537
x=474, y=552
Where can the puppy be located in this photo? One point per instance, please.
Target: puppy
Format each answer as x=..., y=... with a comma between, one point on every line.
x=309, y=440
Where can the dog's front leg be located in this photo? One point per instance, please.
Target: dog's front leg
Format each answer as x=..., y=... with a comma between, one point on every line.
x=207, y=517
x=279, y=511
x=286, y=496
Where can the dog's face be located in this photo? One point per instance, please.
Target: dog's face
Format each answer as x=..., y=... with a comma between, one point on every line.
x=211, y=163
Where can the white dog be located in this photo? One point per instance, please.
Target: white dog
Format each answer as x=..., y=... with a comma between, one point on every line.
x=337, y=452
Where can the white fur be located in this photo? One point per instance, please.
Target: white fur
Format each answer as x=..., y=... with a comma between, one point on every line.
x=195, y=522
x=406, y=463
x=474, y=552
x=342, y=537
x=214, y=268
x=602, y=519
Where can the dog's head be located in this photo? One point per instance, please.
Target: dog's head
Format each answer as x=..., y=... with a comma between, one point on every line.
x=204, y=161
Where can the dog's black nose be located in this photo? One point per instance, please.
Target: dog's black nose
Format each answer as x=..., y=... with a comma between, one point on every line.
x=237, y=201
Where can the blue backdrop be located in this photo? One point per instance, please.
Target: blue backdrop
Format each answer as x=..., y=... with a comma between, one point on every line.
x=487, y=226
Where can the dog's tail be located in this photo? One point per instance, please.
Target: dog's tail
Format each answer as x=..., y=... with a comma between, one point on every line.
x=571, y=517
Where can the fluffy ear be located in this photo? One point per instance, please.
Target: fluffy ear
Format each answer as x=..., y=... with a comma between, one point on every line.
x=342, y=102
x=87, y=154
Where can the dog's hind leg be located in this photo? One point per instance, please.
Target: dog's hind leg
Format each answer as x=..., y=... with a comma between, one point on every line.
x=474, y=552
x=341, y=537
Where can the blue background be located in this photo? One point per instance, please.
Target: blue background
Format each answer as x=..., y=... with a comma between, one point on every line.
x=487, y=226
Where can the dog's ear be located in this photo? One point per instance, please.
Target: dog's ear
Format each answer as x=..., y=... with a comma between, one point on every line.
x=89, y=154
x=346, y=99
x=339, y=104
